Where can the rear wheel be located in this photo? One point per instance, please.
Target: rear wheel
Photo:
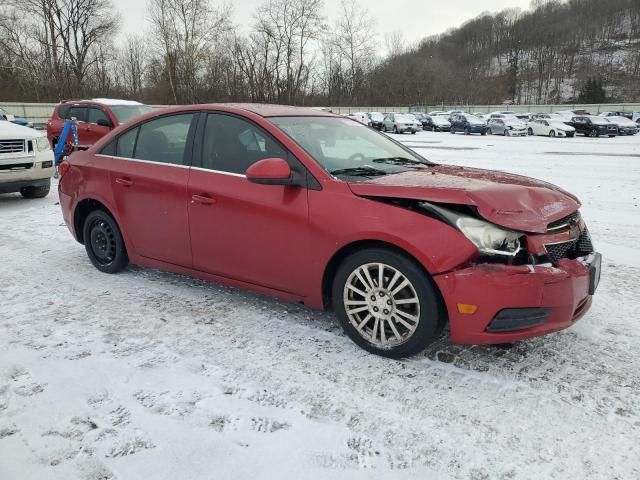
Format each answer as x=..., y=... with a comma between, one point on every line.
x=552, y=133
x=395, y=129
x=434, y=129
x=507, y=133
x=530, y=132
x=467, y=131
x=103, y=242
x=386, y=303
x=39, y=191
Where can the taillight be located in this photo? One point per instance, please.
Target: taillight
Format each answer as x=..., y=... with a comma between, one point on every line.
x=63, y=168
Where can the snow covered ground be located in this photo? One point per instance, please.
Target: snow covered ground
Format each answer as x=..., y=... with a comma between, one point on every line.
x=150, y=375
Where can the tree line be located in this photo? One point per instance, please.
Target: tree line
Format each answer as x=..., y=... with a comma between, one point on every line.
x=191, y=52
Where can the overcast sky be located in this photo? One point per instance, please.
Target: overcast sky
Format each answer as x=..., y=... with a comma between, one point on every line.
x=415, y=18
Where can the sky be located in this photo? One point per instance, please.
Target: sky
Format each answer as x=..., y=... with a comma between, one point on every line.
x=417, y=19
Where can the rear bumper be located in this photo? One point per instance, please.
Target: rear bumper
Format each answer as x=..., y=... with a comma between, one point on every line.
x=554, y=299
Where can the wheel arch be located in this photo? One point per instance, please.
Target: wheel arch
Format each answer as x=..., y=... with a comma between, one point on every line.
x=82, y=210
x=346, y=250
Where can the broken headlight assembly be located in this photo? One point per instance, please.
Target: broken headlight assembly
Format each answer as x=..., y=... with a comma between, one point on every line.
x=489, y=238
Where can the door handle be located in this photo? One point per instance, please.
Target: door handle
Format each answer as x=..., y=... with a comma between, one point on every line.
x=204, y=199
x=124, y=181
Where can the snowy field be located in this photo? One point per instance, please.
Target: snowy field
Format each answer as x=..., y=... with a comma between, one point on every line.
x=150, y=375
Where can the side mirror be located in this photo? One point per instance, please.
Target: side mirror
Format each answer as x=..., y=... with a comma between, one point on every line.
x=105, y=122
x=270, y=171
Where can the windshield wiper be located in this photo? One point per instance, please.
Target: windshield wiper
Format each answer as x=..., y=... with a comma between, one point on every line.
x=359, y=171
x=399, y=161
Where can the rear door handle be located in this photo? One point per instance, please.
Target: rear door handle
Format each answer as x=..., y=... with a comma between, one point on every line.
x=204, y=199
x=124, y=181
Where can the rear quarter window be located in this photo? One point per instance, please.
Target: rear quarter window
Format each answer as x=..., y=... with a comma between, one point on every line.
x=63, y=111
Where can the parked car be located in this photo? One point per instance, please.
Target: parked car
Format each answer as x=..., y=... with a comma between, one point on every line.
x=525, y=117
x=625, y=126
x=95, y=118
x=509, y=127
x=468, y=124
x=550, y=116
x=400, y=123
x=4, y=115
x=318, y=209
x=361, y=117
x=376, y=119
x=26, y=161
x=453, y=113
x=436, y=123
x=550, y=128
x=593, y=126
x=569, y=114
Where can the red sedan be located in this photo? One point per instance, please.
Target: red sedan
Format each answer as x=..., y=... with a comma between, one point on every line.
x=320, y=209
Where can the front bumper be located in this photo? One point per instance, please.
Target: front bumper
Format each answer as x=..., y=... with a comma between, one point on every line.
x=563, y=292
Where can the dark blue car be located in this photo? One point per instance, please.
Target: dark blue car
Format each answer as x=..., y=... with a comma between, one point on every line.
x=463, y=122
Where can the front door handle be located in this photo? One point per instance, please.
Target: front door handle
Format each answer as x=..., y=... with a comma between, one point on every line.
x=124, y=181
x=204, y=199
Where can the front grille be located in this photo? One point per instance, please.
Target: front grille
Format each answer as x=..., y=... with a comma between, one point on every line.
x=579, y=247
x=11, y=146
x=564, y=222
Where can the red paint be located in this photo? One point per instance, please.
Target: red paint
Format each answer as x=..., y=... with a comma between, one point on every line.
x=269, y=169
x=279, y=239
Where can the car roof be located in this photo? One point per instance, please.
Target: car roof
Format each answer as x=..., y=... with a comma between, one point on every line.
x=101, y=101
x=272, y=110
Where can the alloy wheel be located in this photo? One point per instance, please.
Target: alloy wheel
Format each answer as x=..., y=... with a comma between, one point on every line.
x=381, y=304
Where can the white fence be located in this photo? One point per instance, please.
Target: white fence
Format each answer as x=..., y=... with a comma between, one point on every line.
x=38, y=113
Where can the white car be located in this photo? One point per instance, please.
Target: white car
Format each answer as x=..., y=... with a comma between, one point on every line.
x=361, y=117
x=551, y=128
x=26, y=161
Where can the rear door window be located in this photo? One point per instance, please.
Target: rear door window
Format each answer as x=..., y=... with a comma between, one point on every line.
x=164, y=139
x=127, y=143
x=79, y=112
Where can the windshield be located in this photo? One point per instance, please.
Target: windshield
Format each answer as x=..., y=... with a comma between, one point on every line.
x=622, y=120
x=377, y=116
x=124, y=113
x=600, y=121
x=439, y=119
x=346, y=148
x=405, y=118
x=475, y=120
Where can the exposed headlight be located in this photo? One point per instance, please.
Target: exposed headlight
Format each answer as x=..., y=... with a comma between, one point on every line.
x=42, y=143
x=489, y=238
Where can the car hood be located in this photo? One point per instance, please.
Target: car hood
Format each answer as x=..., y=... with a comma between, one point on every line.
x=10, y=131
x=512, y=201
x=561, y=125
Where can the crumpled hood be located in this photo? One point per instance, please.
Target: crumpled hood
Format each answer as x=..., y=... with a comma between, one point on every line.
x=512, y=201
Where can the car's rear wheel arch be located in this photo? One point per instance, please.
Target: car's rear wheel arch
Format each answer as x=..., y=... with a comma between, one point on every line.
x=82, y=211
x=347, y=250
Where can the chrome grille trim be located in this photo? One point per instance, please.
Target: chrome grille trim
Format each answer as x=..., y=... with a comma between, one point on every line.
x=11, y=146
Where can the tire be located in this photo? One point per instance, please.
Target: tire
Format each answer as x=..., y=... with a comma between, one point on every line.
x=434, y=129
x=426, y=309
x=467, y=131
x=552, y=133
x=489, y=131
x=413, y=133
x=593, y=133
x=507, y=133
x=395, y=129
x=530, y=132
x=103, y=242
x=453, y=132
x=39, y=191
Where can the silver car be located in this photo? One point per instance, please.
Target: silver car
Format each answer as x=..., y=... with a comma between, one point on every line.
x=400, y=123
x=507, y=127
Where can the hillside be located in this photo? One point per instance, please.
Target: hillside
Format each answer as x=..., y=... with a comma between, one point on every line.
x=543, y=55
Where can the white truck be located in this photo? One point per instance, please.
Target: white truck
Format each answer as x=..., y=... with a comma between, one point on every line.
x=26, y=161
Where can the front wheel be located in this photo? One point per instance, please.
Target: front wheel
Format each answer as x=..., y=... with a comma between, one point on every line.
x=467, y=131
x=386, y=303
x=507, y=133
x=593, y=133
x=395, y=129
x=39, y=191
x=552, y=133
x=434, y=129
x=103, y=242
x=530, y=132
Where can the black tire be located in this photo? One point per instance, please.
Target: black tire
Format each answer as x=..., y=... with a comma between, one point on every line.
x=39, y=191
x=395, y=129
x=453, y=132
x=593, y=133
x=413, y=133
x=431, y=316
x=103, y=242
x=552, y=133
x=507, y=133
x=467, y=131
x=434, y=129
x=530, y=132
